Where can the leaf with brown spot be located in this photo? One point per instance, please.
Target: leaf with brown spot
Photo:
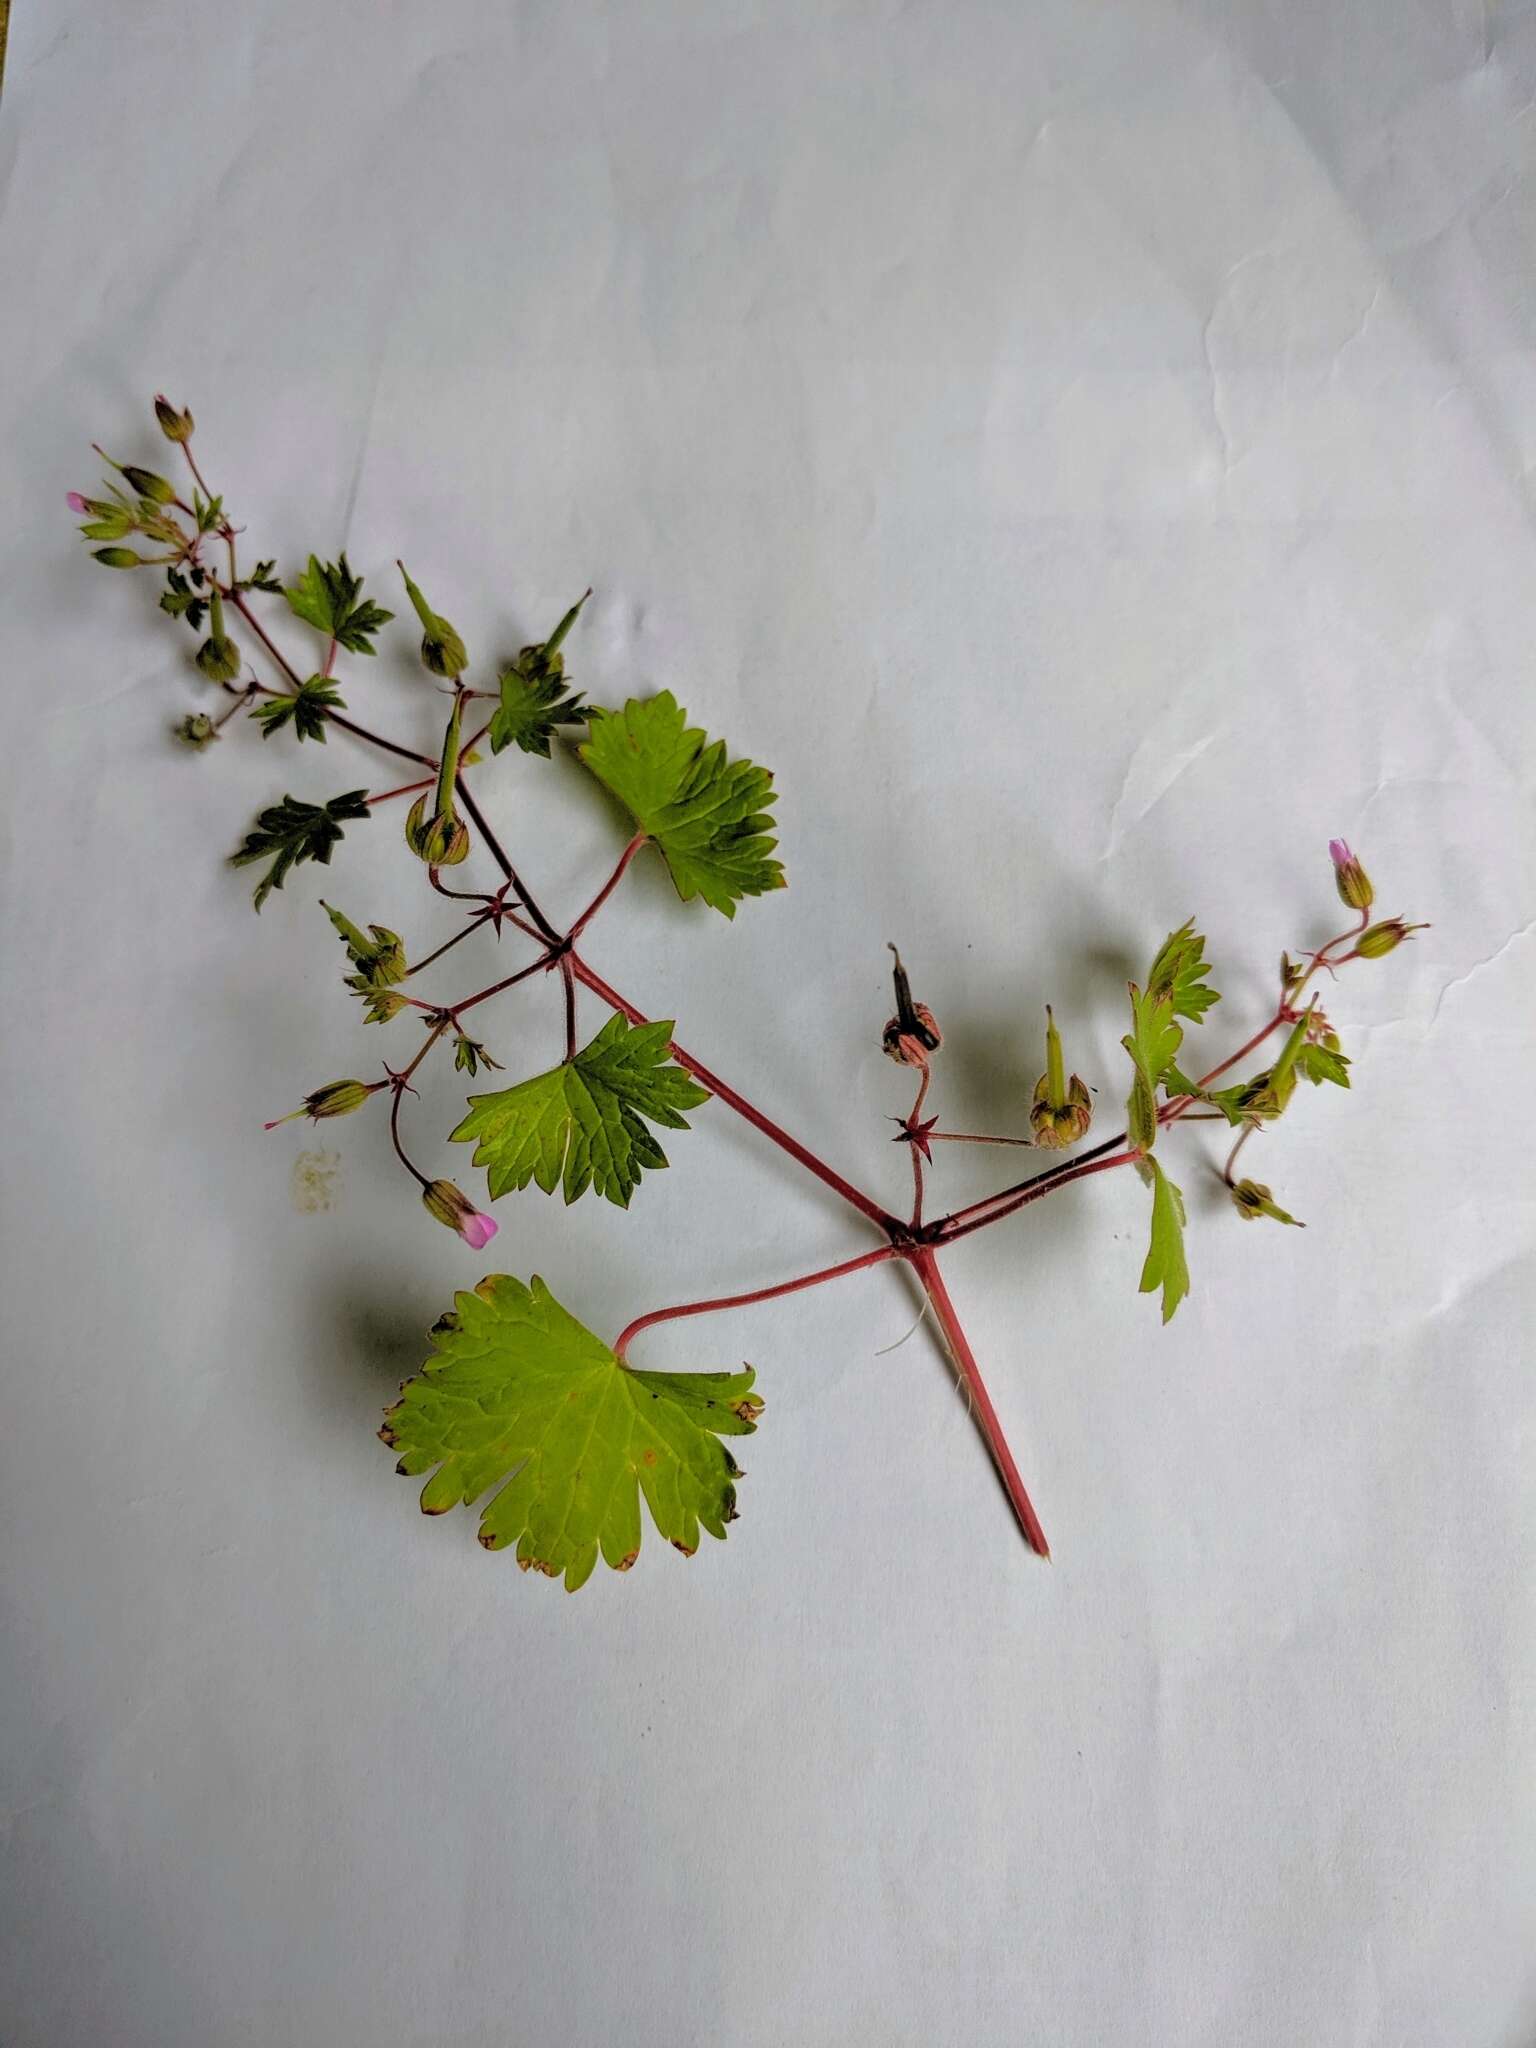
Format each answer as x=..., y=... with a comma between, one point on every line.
x=522, y=1398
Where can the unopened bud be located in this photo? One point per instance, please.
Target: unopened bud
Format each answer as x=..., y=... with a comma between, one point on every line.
x=118, y=558
x=442, y=651
x=218, y=657
x=1062, y=1109
x=196, y=730
x=451, y=1206
x=1351, y=880
x=437, y=837
x=176, y=426
x=1379, y=939
x=148, y=485
x=1252, y=1199
x=336, y=1098
x=912, y=1034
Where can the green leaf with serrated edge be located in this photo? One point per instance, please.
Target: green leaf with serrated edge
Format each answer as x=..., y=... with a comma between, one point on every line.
x=291, y=832
x=533, y=707
x=326, y=597
x=1177, y=974
x=1165, y=1266
x=584, y=1123
x=709, y=816
x=305, y=710
x=1153, y=1043
x=1321, y=1063
x=520, y=1397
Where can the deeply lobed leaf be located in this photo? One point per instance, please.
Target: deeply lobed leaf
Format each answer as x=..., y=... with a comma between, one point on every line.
x=521, y=1397
x=708, y=815
x=292, y=831
x=584, y=1123
x=327, y=597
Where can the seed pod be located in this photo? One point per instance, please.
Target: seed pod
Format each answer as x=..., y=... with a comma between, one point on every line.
x=1062, y=1109
x=912, y=1034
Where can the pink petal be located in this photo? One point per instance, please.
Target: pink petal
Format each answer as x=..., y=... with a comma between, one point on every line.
x=478, y=1229
x=76, y=502
x=1339, y=853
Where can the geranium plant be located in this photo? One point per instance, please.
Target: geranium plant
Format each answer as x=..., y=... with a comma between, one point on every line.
x=521, y=1405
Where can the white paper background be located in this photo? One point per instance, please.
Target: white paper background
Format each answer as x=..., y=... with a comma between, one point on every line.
x=1087, y=452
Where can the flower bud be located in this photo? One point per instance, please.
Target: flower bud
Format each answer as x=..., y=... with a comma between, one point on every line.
x=176, y=426
x=118, y=558
x=438, y=838
x=1252, y=1199
x=1379, y=939
x=1351, y=880
x=196, y=730
x=444, y=1201
x=218, y=657
x=336, y=1098
x=1061, y=1110
x=442, y=651
x=148, y=485
x=912, y=1034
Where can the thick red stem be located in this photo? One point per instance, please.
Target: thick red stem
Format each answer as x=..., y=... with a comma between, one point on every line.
x=926, y=1267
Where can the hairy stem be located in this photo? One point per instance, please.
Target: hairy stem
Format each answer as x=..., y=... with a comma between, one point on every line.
x=608, y=888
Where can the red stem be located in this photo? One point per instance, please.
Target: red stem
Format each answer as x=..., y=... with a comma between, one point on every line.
x=927, y=1269
x=704, y=1308
x=828, y=1175
x=608, y=887
x=569, y=980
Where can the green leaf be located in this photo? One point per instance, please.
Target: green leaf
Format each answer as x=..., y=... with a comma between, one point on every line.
x=1153, y=1043
x=291, y=832
x=326, y=597
x=532, y=708
x=182, y=602
x=470, y=1056
x=305, y=710
x=1177, y=971
x=709, y=816
x=584, y=1122
x=521, y=1397
x=1321, y=1063
x=1165, y=1265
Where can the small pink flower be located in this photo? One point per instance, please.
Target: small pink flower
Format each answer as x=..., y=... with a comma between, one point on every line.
x=477, y=1229
x=76, y=502
x=1339, y=853
x=452, y=1206
x=1350, y=879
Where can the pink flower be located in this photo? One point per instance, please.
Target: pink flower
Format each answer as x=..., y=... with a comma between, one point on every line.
x=1350, y=879
x=477, y=1229
x=1339, y=853
x=76, y=502
x=451, y=1206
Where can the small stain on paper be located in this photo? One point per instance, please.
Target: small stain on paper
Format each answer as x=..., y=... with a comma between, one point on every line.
x=314, y=1186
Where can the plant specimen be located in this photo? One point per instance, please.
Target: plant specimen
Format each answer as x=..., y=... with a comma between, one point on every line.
x=520, y=1405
